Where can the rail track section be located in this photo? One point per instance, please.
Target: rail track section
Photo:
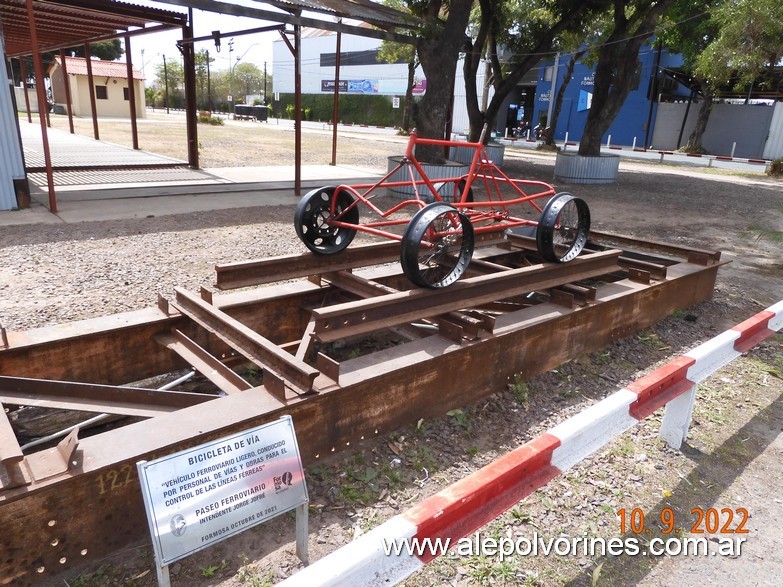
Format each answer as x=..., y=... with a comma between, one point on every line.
x=343, y=344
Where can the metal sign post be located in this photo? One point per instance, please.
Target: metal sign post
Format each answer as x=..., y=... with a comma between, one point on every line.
x=202, y=495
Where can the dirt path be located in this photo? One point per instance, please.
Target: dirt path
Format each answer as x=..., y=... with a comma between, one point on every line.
x=71, y=272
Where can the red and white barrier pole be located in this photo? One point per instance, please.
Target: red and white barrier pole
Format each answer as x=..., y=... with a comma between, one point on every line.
x=470, y=503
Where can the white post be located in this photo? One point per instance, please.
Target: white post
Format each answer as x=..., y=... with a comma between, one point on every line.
x=302, y=532
x=634, y=144
x=163, y=575
x=677, y=419
x=608, y=141
x=565, y=142
x=734, y=146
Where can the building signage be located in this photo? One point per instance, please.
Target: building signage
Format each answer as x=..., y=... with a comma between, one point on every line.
x=585, y=101
x=351, y=86
x=373, y=86
x=204, y=494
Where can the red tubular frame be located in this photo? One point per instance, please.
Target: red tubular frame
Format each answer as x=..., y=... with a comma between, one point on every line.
x=492, y=213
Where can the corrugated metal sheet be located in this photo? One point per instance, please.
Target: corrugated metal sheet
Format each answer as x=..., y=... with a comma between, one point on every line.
x=774, y=146
x=11, y=165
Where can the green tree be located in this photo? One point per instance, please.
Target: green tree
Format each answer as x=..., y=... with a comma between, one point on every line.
x=438, y=47
x=248, y=79
x=689, y=30
x=106, y=50
x=724, y=42
x=525, y=30
x=170, y=80
x=204, y=79
x=617, y=65
x=392, y=52
x=749, y=42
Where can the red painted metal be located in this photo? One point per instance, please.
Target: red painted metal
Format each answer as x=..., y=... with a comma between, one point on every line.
x=467, y=505
x=492, y=214
x=91, y=85
x=42, y=103
x=67, y=86
x=131, y=92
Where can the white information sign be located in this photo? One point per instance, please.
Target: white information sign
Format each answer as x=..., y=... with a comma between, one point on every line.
x=205, y=494
x=395, y=102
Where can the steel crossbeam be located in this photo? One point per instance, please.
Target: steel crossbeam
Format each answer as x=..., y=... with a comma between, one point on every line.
x=90, y=397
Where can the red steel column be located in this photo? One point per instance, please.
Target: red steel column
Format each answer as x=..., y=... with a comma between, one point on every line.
x=131, y=92
x=67, y=85
x=297, y=110
x=39, y=86
x=91, y=84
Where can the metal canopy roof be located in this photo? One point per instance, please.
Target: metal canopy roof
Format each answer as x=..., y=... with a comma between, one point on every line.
x=69, y=23
x=365, y=10
x=391, y=24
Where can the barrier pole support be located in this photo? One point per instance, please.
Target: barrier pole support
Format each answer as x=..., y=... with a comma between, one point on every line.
x=677, y=419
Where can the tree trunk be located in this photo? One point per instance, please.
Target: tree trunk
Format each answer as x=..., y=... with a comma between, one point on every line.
x=550, y=140
x=694, y=141
x=616, y=70
x=438, y=57
x=503, y=80
x=407, y=110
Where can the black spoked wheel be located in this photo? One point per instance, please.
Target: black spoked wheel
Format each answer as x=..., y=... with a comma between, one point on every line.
x=313, y=220
x=437, y=246
x=563, y=228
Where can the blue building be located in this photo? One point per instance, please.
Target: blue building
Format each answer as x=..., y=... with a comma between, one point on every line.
x=636, y=115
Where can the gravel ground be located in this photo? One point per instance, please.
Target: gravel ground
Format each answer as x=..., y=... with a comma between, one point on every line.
x=61, y=273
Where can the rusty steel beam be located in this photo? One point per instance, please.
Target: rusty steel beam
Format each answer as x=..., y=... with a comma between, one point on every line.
x=365, y=316
x=208, y=365
x=698, y=256
x=246, y=273
x=90, y=397
x=258, y=272
x=260, y=350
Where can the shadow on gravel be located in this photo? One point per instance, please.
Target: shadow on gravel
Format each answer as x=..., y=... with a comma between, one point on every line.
x=701, y=488
x=94, y=230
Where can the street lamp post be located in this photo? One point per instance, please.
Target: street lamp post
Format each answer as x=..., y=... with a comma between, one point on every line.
x=231, y=71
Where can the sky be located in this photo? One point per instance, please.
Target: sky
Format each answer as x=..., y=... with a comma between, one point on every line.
x=255, y=48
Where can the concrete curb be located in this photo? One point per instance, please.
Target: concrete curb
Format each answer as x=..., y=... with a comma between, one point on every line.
x=472, y=502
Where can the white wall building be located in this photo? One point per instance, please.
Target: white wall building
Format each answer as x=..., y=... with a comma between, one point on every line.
x=110, y=79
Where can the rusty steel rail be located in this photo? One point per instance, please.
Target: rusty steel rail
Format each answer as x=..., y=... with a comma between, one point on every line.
x=365, y=316
x=510, y=302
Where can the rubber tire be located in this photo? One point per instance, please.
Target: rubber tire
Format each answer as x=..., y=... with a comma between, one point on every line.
x=312, y=216
x=416, y=232
x=548, y=228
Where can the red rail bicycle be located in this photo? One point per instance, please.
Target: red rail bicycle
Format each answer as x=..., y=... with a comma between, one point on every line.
x=437, y=243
